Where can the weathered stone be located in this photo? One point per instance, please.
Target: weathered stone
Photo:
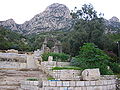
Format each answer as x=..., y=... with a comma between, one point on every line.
x=91, y=74
x=52, y=83
x=80, y=83
x=78, y=88
x=50, y=58
x=72, y=83
x=12, y=51
x=59, y=83
x=66, y=83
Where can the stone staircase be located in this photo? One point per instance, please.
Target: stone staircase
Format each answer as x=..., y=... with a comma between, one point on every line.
x=11, y=79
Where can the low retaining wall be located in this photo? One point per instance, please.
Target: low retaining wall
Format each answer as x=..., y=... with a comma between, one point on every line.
x=46, y=66
x=66, y=74
x=80, y=85
x=30, y=85
x=12, y=65
x=69, y=85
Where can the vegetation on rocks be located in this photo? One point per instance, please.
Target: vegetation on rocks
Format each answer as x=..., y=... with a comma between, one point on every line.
x=98, y=38
x=66, y=68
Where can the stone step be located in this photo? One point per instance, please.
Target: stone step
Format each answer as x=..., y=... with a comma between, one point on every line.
x=9, y=83
x=6, y=87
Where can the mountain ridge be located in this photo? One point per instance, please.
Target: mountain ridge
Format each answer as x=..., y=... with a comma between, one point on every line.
x=55, y=17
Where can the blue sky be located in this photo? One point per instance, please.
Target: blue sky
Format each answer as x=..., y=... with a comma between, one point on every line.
x=23, y=10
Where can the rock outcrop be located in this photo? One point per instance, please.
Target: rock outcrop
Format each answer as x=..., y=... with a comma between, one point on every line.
x=112, y=25
x=55, y=17
x=91, y=74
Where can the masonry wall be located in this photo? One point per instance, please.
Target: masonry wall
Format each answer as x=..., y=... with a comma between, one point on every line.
x=8, y=64
x=69, y=85
x=46, y=66
x=66, y=74
x=80, y=85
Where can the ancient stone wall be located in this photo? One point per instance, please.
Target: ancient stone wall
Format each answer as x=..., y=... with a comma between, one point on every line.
x=80, y=85
x=69, y=85
x=66, y=74
x=46, y=66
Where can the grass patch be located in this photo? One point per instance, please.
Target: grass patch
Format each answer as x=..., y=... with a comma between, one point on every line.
x=32, y=79
x=66, y=68
x=51, y=78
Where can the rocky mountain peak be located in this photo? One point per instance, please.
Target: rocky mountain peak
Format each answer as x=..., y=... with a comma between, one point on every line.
x=58, y=10
x=114, y=19
x=55, y=17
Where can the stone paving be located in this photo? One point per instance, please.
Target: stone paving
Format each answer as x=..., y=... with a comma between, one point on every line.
x=10, y=79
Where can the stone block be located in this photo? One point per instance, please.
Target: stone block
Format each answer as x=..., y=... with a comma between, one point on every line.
x=64, y=88
x=97, y=88
x=87, y=83
x=89, y=88
x=27, y=82
x=71, y=88
x=92, y=83
x=50, y=88
x=77, y=88
x=105, y=82
x=72, y=83
x=59, y=83
x=109, y=82
x=113, y=81
x=66, y=83
x=52, y=83
x=50, y=58
x=31, y=82
x=83, y=88
x=45, y=83
x=36, y=83
x=114, y=86
x=23, y=86
x=90, y=74
x=99, y=82
x=80, y=83
x=104, y=87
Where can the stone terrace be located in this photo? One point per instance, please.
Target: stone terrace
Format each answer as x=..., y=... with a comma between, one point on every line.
x=11, y=79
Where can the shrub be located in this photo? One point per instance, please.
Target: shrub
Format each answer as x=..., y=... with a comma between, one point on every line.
x=68, y=68
x=56, y=56
x=51, y=78
x=113, y=56
x=115, y=67
x=32, y=79
x=92, y=57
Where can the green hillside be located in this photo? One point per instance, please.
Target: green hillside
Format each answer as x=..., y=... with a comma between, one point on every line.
x=12, y=40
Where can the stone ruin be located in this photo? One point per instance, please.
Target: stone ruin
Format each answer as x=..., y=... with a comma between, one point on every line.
x=57, y=48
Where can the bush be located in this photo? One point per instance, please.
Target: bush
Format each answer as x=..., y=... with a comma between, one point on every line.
x=115, y=67
x=51, y=78
x=92, y=57
x=56, y=56
x=113, y=56
x=32, y=79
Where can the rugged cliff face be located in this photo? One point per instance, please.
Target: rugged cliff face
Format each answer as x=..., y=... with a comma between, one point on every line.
x=113, y=25
x=55, y=17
